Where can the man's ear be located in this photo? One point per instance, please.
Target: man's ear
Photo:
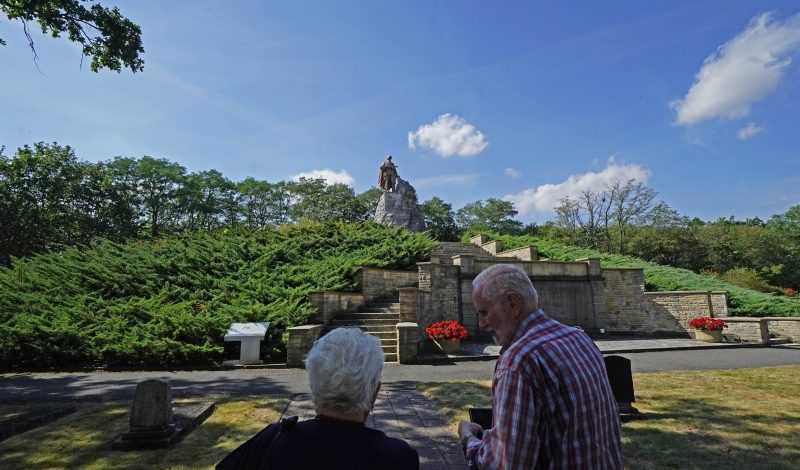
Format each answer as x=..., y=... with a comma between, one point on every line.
x=515, y=303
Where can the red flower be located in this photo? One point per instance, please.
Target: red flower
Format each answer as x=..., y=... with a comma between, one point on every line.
x=446, y=329
x=707, y=323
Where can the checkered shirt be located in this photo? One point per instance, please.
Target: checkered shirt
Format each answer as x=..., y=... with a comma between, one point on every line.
x=552, y=404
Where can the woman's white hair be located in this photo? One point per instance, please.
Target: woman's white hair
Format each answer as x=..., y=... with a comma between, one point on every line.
x=344, y=370
x=498, y=279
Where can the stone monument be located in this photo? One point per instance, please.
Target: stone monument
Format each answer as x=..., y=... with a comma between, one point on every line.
x=399, y=208
x=153, y=422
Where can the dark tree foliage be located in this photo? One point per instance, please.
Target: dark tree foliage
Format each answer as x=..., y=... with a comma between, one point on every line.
x=49, y=200
x=110, y=39
x=440, y=219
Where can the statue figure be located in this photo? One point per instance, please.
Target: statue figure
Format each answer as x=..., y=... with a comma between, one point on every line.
x=387, y=178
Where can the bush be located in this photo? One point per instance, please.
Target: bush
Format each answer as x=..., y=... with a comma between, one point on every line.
x=171, y=301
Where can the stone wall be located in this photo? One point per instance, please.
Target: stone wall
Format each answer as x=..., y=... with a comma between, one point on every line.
x=329, y=303
x=407, y=343
x=301, y=338
x=525, y=253
x=685, y=305
x=443, y=301
x=376, y=284
x=789, y=327
x=748, y=329
x=626, y=308
x=565, y=290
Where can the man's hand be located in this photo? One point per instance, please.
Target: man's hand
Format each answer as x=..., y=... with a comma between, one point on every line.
x=465, y=427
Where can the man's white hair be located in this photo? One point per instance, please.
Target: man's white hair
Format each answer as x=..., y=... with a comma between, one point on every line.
x=344, y=370
x=498, y=279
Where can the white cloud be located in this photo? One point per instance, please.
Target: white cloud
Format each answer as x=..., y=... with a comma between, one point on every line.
x=512, y=173
x=446, y=180
x=544, y=198
x=749, y=131
x=449, y=135
x=741, y=71
x=330, y=176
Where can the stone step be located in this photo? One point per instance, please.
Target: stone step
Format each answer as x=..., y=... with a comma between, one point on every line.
x=381, y=307
x=364, y=322
x=362, y=315
x=780, y=340
x=379, y=331
x=390, y=357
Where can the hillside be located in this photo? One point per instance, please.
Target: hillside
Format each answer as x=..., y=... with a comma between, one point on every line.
x=743, y=302
x=170, y=301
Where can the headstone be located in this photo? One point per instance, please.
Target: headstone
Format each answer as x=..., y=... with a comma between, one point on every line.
x=152, y=406
x=151, y=425
x=154, y=424
x=618, y=369
x=250, y=335
x=399, y=208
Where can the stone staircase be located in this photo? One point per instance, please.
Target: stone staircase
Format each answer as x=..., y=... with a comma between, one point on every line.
x=379, y=319
x=446, y=250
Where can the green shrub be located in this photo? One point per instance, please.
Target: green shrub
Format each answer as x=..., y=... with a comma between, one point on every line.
x=171, y=301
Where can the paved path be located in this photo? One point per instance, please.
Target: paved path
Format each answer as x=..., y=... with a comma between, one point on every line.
x=400, y=410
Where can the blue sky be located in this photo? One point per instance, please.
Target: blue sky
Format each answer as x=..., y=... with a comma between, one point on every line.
x=527, y=101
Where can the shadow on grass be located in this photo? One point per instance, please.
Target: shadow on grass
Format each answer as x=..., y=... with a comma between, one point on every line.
x=696, y=433
x=84, y=439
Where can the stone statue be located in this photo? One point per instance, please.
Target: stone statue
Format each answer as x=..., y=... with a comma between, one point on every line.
x=399, y=208
x=387, y=178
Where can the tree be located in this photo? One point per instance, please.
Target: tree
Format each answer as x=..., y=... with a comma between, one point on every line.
x=158, y=180
x=496, y=215
x=263, y=203
x=50, y=199
x=439, y=219
x=590, y=217
x=586, y=218
x=207, y=200
x=314, y=199
x=110, y=39
x=369, y=202
x=628, y=201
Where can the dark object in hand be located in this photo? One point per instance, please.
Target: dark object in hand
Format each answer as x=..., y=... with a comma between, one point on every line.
x=481, y=416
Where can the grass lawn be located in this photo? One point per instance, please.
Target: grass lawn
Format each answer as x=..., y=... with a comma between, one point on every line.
x=83, y=439
x=740, y=418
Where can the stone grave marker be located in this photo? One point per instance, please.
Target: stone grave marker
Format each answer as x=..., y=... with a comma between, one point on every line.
x=151, y=425
x=153, y=422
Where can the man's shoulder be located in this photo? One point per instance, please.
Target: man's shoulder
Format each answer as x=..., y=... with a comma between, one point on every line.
x=542, y=337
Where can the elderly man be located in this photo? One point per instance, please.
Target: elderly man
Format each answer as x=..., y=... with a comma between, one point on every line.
x=344, y=372
x=552, y=404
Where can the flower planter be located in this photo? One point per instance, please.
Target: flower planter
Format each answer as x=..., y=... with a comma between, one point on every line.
x=448, y=346
x=708, y=336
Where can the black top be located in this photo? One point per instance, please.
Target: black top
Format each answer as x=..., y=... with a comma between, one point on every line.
x=322, y=444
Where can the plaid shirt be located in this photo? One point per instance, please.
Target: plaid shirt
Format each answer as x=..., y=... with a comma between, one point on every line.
x=552, y=404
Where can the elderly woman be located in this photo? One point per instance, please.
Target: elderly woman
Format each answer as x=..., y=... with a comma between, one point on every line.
x=344, y=370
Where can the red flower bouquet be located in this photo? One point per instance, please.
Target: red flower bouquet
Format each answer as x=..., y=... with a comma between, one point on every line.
x=446, y=329
x=707, y=324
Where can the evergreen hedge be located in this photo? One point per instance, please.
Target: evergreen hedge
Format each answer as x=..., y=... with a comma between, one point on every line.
x=170, y=301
